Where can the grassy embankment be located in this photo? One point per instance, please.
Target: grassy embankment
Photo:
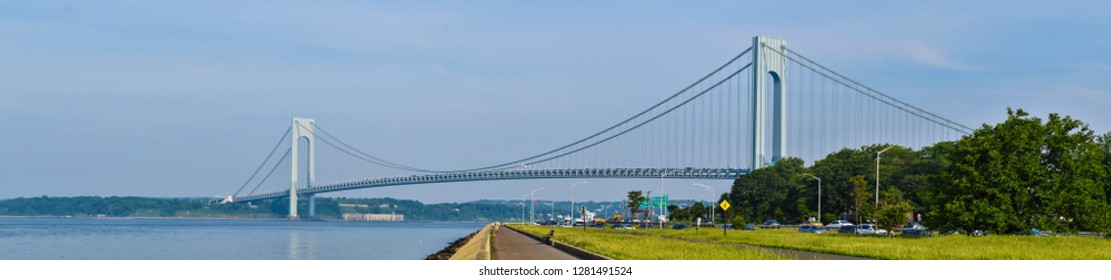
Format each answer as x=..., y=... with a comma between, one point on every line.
x=646, y=247
x=932, y=248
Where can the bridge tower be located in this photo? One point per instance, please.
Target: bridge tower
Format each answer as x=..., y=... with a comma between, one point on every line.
x=302, y=128
x=770, y=71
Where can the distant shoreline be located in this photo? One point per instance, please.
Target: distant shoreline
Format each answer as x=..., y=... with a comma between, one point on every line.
x=135, y=218
x=224, y=219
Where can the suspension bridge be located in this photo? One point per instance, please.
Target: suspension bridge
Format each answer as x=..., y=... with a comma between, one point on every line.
x=766, y=103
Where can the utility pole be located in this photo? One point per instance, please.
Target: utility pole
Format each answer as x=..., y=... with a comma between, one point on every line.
x=573, y=203
x=532, y=206
x=711, y=190
x=878, y=173
x=820, y=195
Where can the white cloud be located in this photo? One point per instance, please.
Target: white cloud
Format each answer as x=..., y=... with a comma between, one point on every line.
x=924, y=54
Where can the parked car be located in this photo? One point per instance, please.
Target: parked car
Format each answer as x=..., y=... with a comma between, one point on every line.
x=679, y=226
x=727, y=226
x=623, y=226
x=812, y=229
x=1036, y=232
x=847, y=229
x=813, y=221
x=915, y=225
x=1032, y=231
x=770, y=224
x=916, y=232
x=750, y=227
x=839, y=223
x=866, y=229
x=598, y=225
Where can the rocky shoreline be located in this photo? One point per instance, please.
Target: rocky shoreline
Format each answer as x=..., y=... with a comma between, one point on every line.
x=448, y=251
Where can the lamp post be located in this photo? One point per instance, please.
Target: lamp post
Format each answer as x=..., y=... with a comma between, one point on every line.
x=523, y=207
x=661, y=203
x=532, y=205
x=647, y=211
x=551, y=216
x=878, y=172
x=573, y=202
x=819, y=195
x=712, y=192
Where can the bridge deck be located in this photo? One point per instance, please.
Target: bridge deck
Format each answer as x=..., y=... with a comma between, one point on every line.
x=648, y=173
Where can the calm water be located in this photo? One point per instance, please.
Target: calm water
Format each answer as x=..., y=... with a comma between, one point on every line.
x=110, y=239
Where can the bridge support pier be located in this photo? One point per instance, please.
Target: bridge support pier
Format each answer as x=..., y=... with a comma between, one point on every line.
x=770, y=72
x=312, y=205
x=302, y=128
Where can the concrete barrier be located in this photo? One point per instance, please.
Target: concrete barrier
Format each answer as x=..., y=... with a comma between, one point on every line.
x=478, y=248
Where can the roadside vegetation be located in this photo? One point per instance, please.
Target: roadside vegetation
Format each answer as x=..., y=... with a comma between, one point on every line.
x=646, y=247
x=649, y=244
x=1009, y=178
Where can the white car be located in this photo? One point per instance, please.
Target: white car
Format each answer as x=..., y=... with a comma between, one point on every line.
x=624, y=226
x=839, y=224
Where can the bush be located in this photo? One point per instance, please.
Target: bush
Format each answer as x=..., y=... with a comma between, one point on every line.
x=738, y=222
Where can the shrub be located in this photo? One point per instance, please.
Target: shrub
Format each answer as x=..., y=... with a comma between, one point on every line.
x=738, y=222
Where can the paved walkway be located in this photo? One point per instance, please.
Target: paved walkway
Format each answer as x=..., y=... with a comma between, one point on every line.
x=512, y=245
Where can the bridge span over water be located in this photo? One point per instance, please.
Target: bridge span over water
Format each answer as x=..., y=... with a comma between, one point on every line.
x=765, y=104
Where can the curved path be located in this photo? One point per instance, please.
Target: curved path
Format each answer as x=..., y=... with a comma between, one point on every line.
x=512, y=245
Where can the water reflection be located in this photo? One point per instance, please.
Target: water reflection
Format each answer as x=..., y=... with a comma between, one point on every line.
x=294, y=252
x=47, y=239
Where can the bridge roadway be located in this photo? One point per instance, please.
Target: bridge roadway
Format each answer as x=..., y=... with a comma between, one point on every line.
x=514, y=174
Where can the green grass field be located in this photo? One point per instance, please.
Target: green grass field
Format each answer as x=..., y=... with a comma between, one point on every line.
x=647, y=247
x=665, y=244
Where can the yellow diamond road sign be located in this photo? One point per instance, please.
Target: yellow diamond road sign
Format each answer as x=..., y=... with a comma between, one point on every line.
x=724, y=205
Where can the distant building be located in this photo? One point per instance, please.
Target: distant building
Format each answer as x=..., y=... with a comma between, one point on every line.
x=374, y=217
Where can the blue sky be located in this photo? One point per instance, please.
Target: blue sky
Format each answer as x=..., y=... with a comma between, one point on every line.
x=185, y=98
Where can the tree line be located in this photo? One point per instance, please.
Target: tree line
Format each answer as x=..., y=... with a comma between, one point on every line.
x=1023, y=173
x=326, y=208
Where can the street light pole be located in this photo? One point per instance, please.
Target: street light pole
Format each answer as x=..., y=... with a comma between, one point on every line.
x=661, y=203
x=819, y=195
x=573, y=203
x=878, y=173
x=523, y=207
x=532, y=206
x=712, y=192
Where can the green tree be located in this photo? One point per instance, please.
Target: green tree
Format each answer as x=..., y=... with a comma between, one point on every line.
x=836, y=171
x=1104, y=143
x=1023, y=174
x=920, y=171
x=635, y=199
x=698, y=210
x=892, y=210
x=860, y=196
x=770, y=192
x=677, y=213
x=738, y=222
